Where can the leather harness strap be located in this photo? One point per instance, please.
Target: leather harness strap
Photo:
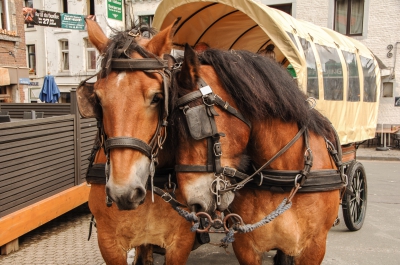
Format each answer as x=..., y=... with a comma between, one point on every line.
x=209, y=100
x=134, y=143
x=139, y=64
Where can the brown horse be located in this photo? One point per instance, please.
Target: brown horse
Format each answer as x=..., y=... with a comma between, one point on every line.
x=240, y=104
x=150, y=224
x=130, y=98
x=127, y=100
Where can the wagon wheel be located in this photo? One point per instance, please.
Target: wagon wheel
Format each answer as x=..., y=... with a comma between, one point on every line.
x=354, y=204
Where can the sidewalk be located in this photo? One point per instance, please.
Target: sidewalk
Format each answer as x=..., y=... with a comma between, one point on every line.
x=370, y=153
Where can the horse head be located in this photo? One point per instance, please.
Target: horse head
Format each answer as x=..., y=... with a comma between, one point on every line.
x=204, y=116
x=129, y=99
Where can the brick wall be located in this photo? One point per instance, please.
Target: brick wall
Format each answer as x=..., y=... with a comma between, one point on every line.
x=14, y=40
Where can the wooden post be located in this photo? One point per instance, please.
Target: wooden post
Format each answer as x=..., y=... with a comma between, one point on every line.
x=77, y=136
x=10, y=247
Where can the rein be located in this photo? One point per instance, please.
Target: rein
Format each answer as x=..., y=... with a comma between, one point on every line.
x=203, y=116
x=220, y=185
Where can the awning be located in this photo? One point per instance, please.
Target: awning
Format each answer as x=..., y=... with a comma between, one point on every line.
x=4, y=77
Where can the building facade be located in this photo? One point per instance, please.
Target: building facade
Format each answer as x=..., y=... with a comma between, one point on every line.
x=67, y=55
x=373, y=23
x=14, y=76
x=64, y=53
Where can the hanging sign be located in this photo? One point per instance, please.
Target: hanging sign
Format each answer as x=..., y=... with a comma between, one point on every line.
x=53, y=19
x=114, y=9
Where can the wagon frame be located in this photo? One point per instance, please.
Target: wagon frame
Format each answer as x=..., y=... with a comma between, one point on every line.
x=339, y=72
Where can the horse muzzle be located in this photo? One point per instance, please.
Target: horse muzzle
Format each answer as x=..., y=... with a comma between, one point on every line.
x=126, y=198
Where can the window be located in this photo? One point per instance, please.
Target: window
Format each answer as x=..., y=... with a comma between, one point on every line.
x=65, y=97
x=64, y=6
x=332, y=72
x=146, y=20
x=370, y=87
x=64, y=55
x=4, y=15
x=29, y=3
x=90, y=7
x=287, y=8
x=90, y=55
x=312, y=73
x=3, y=93
x=31, y=59
x=349, y=16
x=353, y=82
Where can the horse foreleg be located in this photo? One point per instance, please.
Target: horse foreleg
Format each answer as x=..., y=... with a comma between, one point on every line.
x=245, y=251
x=282, y=259
x=144, y=255
x=110, y=251
x=313, y=254
x=178, y=254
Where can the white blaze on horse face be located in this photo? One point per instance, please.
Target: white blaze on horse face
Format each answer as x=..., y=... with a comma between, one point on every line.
x=131, y=193
x=121, y=76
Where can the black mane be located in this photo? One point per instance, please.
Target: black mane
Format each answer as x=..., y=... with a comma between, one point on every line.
x=117, y=42
x=263, y=89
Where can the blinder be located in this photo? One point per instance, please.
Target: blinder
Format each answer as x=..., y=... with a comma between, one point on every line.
x=198, y=122
x=87, y=101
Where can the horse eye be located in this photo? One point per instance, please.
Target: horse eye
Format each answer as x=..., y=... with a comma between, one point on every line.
x=157, y=98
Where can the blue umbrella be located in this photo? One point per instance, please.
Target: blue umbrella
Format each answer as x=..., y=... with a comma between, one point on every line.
x=50, y=92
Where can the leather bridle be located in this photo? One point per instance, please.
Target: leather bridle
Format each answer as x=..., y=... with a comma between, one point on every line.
x=214, y=150
x=221, y=184
x=148, y=65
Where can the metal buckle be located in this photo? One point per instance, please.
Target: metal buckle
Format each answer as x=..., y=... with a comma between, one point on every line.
x=215, y=150
x=130, y=33
x=228, y=174
x=298, y=176
x=205, y=101
x=165, y=195
x=346, y=180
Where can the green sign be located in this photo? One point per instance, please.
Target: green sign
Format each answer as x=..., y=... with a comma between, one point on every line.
x=53, y=19
x=114, y=9
x=70, y=21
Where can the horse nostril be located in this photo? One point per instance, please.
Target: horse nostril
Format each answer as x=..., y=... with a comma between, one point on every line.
x=137, y=194
x=197, y=208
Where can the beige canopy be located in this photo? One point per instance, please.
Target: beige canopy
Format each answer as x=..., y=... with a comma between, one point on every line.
x=339, y=72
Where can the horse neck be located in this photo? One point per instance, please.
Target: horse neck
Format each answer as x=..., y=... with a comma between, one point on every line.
x=268, y=137
x=166, y=158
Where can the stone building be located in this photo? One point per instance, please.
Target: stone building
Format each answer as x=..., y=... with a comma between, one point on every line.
x=373, y=23
x=14, y=76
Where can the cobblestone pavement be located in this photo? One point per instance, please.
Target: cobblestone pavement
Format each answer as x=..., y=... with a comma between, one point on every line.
x=63, y=241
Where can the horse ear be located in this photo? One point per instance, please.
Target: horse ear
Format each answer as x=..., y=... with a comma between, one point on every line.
x=88, y=105
x=96, y=35
x=161, y=43
x=170, y=59
x=190, y=67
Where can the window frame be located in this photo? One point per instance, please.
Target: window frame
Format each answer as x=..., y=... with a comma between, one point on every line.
x=348, y=18
x=28, y=59
x=29, y=3
x=87, y=51
x=64, y=52
x=151, y=18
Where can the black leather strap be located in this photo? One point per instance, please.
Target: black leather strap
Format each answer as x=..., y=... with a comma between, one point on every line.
x=128, y=142
x=139, y=64
x=189, y=98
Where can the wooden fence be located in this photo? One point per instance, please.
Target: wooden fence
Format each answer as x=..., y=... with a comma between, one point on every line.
x=41, y=158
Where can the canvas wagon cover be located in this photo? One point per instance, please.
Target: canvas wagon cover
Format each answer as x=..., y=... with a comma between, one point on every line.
x=250, y=25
